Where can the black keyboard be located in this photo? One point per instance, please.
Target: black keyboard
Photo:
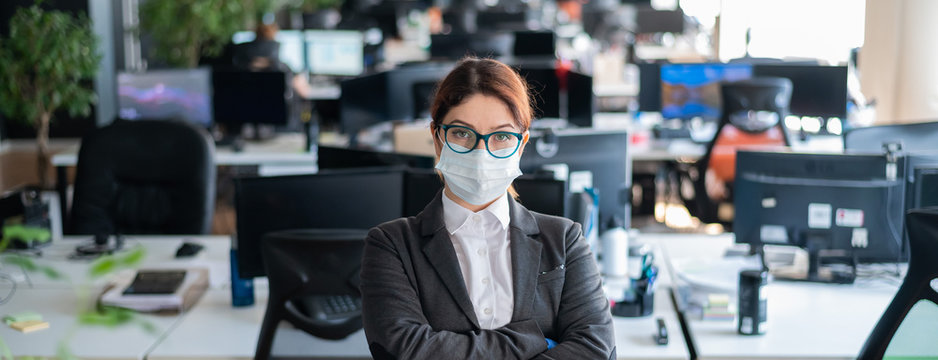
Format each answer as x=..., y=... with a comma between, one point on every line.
x=333, y=307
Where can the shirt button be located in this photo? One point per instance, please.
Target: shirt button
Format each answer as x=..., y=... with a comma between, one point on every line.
x=481, y=252
x=485, y=280
x=487, y=311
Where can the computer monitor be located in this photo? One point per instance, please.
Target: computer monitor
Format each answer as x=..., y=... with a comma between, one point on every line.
x=848, y=202
x=385, y=96
x=481, y=44
x=166, y=94
x=816, y=90
x=545, y=88
x=291, y=46
x=649, y=87
x=535, y=43
x=329, y=157
x=581, y=101
x=249, y=97
x=692, y=90
x=649, y=21
x=335, y=52
x=603, y=153
x=355, y=199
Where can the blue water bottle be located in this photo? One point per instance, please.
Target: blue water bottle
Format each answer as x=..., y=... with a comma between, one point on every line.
x=242, y=290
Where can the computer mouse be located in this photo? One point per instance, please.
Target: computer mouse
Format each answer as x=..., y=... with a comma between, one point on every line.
x=188, y=249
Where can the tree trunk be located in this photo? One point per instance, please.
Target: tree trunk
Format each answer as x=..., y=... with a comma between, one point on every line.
x=42, y=140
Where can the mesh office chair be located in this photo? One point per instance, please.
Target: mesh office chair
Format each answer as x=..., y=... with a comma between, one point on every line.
x=913, y=137
x=313, y=277
x=751, y=118
x=144, y=177
x=918, y=286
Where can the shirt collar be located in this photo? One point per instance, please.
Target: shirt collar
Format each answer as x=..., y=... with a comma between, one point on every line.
x=456, y=216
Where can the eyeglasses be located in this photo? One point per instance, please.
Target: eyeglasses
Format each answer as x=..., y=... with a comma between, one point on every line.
x=500, y=144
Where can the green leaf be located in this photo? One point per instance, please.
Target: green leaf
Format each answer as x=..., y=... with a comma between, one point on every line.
x=102, y=266
x=63, y=352
x=134, y=257
x=5, y=352
x=107, y=316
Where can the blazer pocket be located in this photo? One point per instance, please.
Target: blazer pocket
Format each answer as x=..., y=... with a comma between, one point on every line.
x=552, y=274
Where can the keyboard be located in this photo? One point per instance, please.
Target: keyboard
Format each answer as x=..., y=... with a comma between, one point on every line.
x=333, y=307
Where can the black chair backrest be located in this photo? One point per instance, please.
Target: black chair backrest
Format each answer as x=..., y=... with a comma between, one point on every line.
x=144, y=177
x=304, y=263
x=913, y=137
x=922, y=225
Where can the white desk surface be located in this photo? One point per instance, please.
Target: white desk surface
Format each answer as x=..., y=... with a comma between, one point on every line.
x=805, y=320
x=284, y=149
x=160, y=253
x=58, y=307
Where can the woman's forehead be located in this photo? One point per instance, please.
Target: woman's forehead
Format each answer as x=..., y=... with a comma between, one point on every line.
x=482, y=113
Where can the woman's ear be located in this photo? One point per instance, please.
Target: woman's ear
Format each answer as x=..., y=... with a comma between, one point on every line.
x=524, y=141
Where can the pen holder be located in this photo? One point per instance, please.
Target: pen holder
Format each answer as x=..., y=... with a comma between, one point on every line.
x=639, y=300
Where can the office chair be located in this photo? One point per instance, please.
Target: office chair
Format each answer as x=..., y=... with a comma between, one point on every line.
x=913, y=137
x=313, y=277
x=922, y=225
x=144, y=177
x=752, y=118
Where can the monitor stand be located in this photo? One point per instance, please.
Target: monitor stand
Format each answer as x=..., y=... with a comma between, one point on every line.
x=820, y=241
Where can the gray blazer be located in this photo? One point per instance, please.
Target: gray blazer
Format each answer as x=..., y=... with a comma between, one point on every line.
x=416, y=306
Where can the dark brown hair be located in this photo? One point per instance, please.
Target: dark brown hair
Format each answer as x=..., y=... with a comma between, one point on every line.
x=489, y=77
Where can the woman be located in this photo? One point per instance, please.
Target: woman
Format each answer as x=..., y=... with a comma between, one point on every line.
x=476, y=275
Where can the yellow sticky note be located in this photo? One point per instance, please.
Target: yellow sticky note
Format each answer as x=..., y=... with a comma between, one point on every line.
x=29, y=326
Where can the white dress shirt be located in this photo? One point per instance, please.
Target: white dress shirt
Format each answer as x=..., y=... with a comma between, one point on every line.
x=481, y=243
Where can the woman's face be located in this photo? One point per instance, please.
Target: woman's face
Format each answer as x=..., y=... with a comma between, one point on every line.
x=482, y=113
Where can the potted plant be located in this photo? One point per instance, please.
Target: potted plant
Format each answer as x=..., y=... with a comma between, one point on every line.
x=184, y=30
x=46, y=63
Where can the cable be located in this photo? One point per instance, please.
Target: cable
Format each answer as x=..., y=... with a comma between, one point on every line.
x=9, y=295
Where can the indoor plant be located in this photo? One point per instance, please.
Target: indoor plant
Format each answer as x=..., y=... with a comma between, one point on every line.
x=184, y=30
x=46, y=64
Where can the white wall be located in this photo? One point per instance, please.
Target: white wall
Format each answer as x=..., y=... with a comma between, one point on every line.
x=899, y=60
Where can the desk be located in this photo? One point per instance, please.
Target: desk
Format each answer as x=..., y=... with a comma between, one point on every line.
x=214, y=329
x=805, y=320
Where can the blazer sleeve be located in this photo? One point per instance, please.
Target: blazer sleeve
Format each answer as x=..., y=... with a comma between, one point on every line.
x=396, y=327
x=583, y=318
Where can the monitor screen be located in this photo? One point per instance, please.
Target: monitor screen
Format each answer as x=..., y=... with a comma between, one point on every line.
x=601, y=153
x=649, y=87
x=691, y=90
x=355, y=199
x=342, y=158
x=291, y=46
x=649, y=21
x=335, y=52
x=816, y=90
x=166, y=94
x=545, y=89
x=250, y=97
x=843, y=201
x=534, y=43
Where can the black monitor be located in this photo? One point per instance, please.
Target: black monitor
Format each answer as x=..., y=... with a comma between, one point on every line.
x=925, y=193
x=482, y=44
x=693, y=90
x=385, y=96
x=329, y=157
x=352, y=199
x=545, y=88
x=603, y=153
x=166, y=95
x=581, y=102
x=535, y=43
x=649, y=87
x=852, y=203
x=250, y=97
x=816, y=90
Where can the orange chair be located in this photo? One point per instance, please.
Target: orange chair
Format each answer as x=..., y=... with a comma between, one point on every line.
x=752, y=116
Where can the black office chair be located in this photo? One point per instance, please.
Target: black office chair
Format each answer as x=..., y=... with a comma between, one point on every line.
x=752, y=116
x=313, y=277
x=912, y=137
x=922, y=225
x=144, y=177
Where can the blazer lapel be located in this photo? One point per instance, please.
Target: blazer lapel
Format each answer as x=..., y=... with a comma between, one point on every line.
x=438, y=248
x=525, y=259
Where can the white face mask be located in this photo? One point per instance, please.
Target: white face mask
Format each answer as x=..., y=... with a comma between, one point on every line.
x=478, y=177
